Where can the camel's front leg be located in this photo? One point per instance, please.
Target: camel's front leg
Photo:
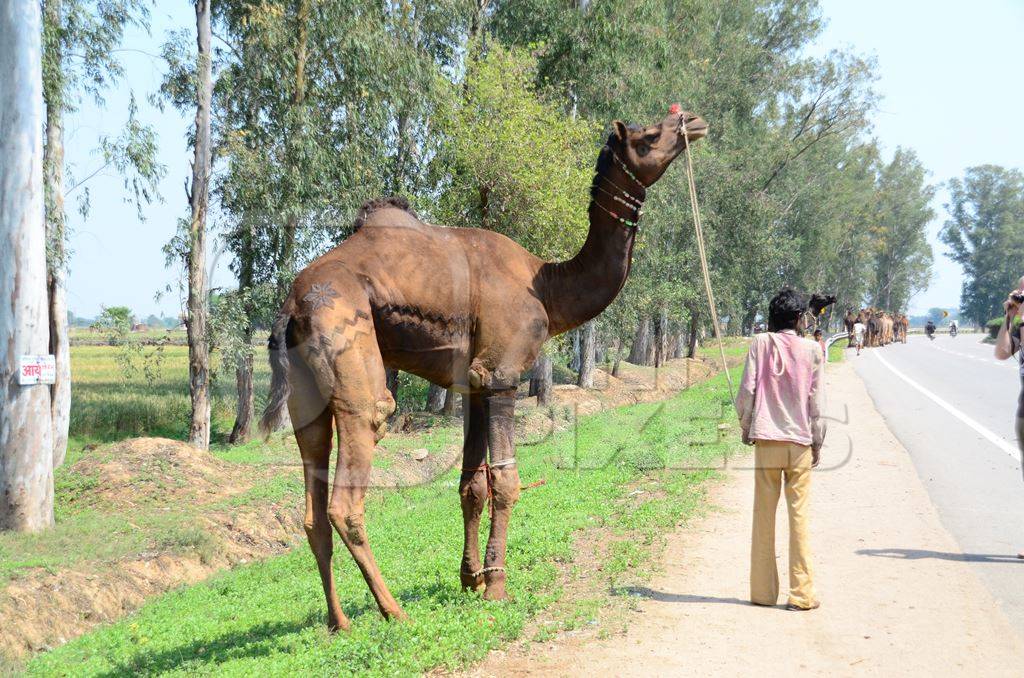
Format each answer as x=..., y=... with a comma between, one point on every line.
x=504, y=487
x=473, y=488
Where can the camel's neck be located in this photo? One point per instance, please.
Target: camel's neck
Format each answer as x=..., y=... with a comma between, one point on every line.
x=577, y=290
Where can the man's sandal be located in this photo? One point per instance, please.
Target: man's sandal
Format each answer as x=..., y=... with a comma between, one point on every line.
x=796, y=608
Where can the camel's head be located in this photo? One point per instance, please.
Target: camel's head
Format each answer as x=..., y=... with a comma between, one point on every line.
x=648, y=151
x=819, y=302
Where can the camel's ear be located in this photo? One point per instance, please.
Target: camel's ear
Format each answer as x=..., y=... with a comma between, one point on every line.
x=619, y=128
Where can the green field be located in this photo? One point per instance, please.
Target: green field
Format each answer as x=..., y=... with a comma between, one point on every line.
x=110, y=403
x=633, y=473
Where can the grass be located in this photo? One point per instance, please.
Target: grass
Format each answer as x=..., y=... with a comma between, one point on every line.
x=735, y=347
x=268, y=617
x=106, y=406
x=90, y=536
x=85, y=336
x=837, y=352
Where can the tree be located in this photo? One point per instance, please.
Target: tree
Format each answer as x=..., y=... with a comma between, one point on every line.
x=26, y=426
x=117, y=320
x=786, y=129
x=985, y=234
x=79, y=41
x=318, y=108
x=902, y=255
x=198, y=196
x=517, y=165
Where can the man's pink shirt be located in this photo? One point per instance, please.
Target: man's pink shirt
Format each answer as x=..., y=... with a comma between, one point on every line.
x=782, y=394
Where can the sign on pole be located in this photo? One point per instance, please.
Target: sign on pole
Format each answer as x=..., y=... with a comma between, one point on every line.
x=37, y=369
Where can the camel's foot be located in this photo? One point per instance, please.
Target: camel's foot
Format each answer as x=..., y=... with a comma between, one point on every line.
x=495, y=586
x=396, y=615
x=335, y=625
x=472, y=582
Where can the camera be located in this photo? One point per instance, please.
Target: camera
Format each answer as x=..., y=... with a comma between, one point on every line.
x=1018, y=297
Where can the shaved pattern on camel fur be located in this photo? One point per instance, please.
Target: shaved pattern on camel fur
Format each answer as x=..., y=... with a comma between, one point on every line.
x=463, y=308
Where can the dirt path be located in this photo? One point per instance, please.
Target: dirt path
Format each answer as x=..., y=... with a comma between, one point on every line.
x=893, y=601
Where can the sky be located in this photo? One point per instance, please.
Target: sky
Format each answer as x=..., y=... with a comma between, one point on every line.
x=948, y=77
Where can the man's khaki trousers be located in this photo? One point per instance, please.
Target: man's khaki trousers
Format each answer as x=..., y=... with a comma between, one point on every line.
x=773, y=461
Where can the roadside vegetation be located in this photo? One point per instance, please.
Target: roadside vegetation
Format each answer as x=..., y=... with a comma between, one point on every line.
x=837, y=351
x=626, y=475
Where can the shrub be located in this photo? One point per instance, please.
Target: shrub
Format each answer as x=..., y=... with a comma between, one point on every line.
x=994, y=325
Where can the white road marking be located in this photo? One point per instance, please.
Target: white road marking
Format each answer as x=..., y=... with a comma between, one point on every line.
x=984, y=432
x=991, y=361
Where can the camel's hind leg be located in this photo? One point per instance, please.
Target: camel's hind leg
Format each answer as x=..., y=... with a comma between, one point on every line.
x=361, y=403
x=315, y=444
x=313, y=422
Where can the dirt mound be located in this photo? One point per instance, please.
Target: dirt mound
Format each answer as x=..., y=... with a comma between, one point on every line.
x=179, y=501
x=52, y=608
x=144, y=471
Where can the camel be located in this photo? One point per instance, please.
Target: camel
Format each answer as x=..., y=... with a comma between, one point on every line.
x=816, y=305
x=848, y=322
x=885, y=324
x=874, y=325
x=463, y=308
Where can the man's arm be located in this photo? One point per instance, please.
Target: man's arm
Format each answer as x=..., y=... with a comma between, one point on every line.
x=816, y=407
x=1004, y=342
x=745, y=396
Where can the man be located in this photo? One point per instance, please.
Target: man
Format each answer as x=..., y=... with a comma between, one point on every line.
x=820, y=339
x=1009, y=342
x=780, y=405
x=859, y=329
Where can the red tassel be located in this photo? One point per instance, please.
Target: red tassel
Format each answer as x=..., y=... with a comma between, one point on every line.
x=673, y=109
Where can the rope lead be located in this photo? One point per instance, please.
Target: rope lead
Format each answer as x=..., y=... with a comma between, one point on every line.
x=699, y=230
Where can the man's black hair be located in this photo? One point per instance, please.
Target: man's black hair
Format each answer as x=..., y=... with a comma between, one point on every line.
x=785, y=309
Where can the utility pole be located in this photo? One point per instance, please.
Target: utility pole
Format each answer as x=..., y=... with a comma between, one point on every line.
x=26, y=433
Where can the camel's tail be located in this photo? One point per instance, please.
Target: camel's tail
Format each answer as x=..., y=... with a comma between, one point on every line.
x=276, y=415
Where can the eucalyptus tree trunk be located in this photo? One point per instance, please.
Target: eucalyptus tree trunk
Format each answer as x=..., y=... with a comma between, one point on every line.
x=53, y=177
x=574, y=336
x=286, y=264
x=691, y=344
x=243, y=368
x=541, y=384
x=638, y=353
x=26, y=427
x=449, y=404
x=198, y=303
x=680, y=344
x=436, y=398
x=242, y=429
x=588, y=340
x=660, y=338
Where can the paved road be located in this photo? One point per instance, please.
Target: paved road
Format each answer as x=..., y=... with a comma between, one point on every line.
x=951, y=404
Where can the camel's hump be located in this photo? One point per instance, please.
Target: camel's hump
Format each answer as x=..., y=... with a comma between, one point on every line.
x=365, y=213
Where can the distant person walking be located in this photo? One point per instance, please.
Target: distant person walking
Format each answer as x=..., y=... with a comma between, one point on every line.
x=859, y=329
x=780, y=405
